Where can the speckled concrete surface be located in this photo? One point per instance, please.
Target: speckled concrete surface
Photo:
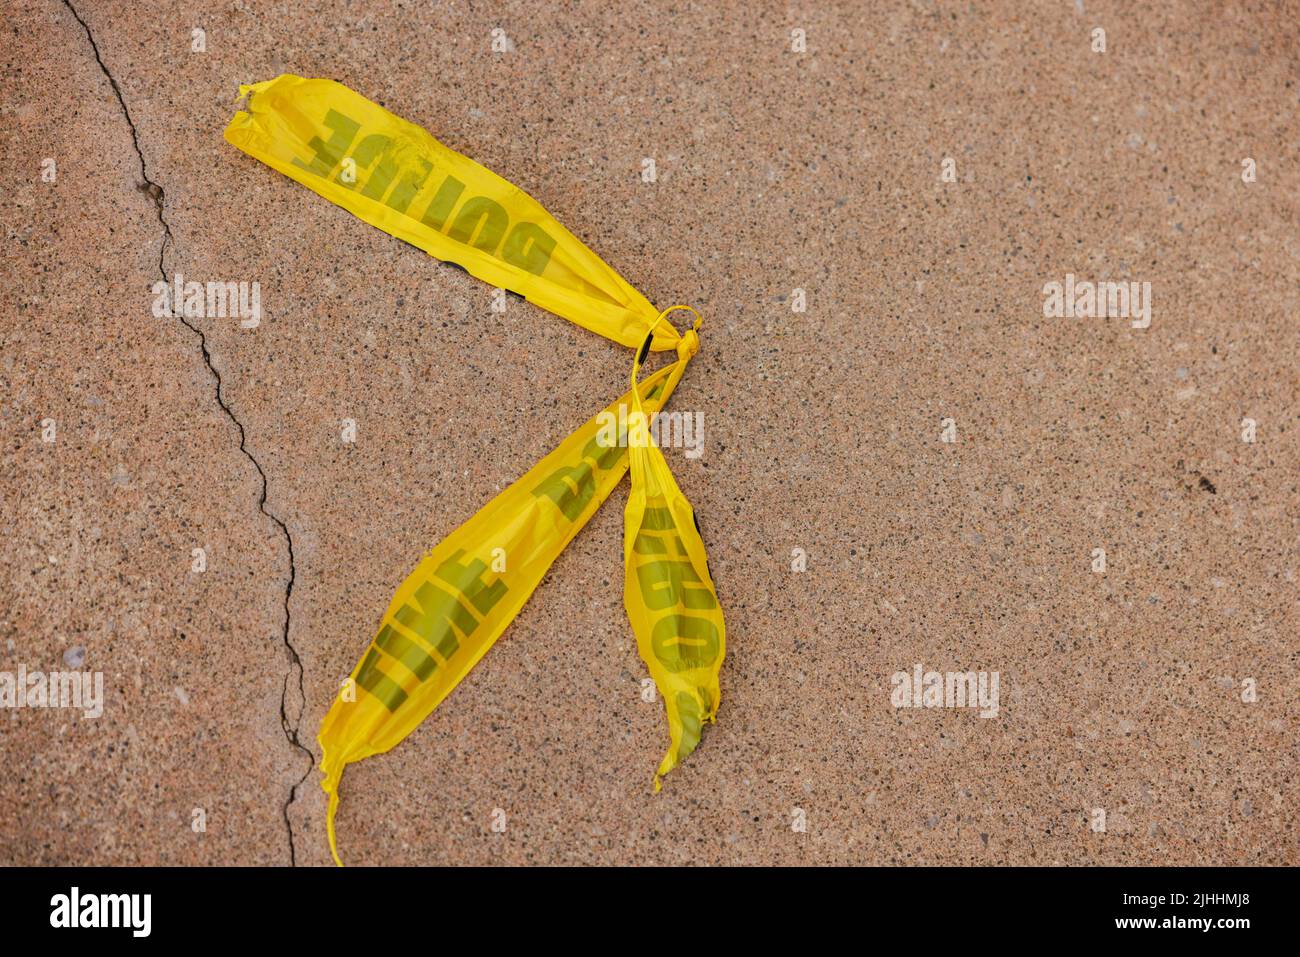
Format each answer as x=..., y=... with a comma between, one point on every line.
x=1120, y=691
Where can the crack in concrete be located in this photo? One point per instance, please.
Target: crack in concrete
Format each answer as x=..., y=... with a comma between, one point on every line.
x=155, y=191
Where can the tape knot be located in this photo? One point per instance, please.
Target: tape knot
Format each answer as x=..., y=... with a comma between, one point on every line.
x=689, y=345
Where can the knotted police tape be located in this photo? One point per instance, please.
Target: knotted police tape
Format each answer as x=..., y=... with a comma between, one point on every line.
x=467, y=590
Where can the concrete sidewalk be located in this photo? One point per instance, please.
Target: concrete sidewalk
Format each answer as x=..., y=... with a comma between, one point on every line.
x=920, y=172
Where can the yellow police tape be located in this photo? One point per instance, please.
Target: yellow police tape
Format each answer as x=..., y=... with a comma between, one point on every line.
x=467, y=590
